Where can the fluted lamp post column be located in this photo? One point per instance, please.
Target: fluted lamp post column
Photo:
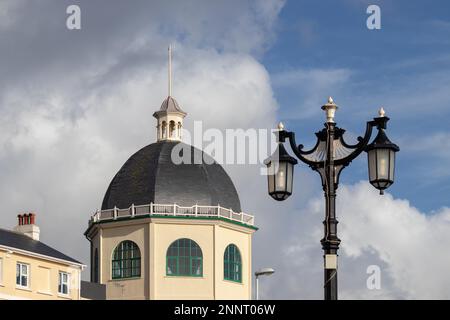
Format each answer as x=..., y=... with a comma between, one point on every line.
x=329, y=157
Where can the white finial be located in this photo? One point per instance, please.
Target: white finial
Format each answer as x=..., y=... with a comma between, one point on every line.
x=330, y=109
x=170, y=70
x=281, y=126
x=381, y=112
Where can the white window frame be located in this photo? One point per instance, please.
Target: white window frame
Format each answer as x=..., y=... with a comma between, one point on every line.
x=21, y=274
x=61, y=283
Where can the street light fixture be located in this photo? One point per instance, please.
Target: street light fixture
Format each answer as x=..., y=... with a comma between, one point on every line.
x=329, y=157
x=381, y=158
x=281, y=172
x=261, y=272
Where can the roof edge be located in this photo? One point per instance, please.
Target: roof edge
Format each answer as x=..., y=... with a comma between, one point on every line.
x=42, y=256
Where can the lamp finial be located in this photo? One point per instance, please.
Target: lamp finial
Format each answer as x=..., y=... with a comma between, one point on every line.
x=381, y=112
x=330, y=108
x=280, y=126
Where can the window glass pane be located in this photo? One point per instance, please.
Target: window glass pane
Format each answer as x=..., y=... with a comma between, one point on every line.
x=196, y=267
x=172, y=266
x=372, y=165
x=383, y=163
x=232, y=263
x=392, y=165
x=184, y=266
x=63, y=284
x=184, y=258
x=137, y=253
x=126, y=260
x=271, y=179
x=280, y=181
x=18, y=274
x=290, y=169
x=21, y=274
x=116, y=273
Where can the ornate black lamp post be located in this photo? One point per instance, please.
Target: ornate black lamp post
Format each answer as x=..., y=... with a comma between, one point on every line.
x=329, y=157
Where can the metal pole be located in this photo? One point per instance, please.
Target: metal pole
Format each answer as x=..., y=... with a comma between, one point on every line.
x=330, y=242
x=257, y=288
x=170, y=69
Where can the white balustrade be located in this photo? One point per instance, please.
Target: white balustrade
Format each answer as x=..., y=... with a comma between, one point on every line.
x=172, y=210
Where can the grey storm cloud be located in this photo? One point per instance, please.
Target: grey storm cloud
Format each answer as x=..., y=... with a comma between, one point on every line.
x=74, y=105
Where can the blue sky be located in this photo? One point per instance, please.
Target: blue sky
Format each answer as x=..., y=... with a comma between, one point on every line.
x=409, y=56
x=75, y=105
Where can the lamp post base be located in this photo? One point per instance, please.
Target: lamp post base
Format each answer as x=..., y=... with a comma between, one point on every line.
x=330, y=287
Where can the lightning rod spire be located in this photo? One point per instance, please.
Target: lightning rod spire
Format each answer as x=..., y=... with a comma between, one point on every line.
x=170, y=69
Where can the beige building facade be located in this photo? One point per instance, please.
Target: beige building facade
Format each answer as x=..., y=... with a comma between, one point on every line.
x=153, y=236
x=31, y=270
x=43, y=278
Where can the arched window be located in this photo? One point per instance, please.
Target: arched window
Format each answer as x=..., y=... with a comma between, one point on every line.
x=164, y=130
x=184, y=258
x=126, y=261
x=172, y=129
x=232, y=264
x=179, y=129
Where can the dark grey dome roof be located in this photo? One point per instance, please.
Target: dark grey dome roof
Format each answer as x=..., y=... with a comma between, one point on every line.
x=150, y=176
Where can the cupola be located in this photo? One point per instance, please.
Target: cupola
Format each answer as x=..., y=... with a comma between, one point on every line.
x=170, y=116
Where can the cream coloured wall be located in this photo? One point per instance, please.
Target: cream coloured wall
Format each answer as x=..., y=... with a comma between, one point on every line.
x=175, y=287
x=154, y=236
x=227, y=289
x=111, y=236
x=95, y=244
x=43, y=278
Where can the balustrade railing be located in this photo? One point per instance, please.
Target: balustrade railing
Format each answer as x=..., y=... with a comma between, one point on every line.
x=172, y=210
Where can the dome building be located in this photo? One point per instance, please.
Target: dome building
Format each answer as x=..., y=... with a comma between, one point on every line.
x=171, y=231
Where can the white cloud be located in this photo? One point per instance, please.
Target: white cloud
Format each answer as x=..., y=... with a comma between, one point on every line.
x=409, y=246
x=65, y=166
x=74, y=112
x=69, y=121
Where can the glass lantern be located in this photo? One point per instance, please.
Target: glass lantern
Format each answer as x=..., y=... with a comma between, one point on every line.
x=280, y=173
x=381, y=159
